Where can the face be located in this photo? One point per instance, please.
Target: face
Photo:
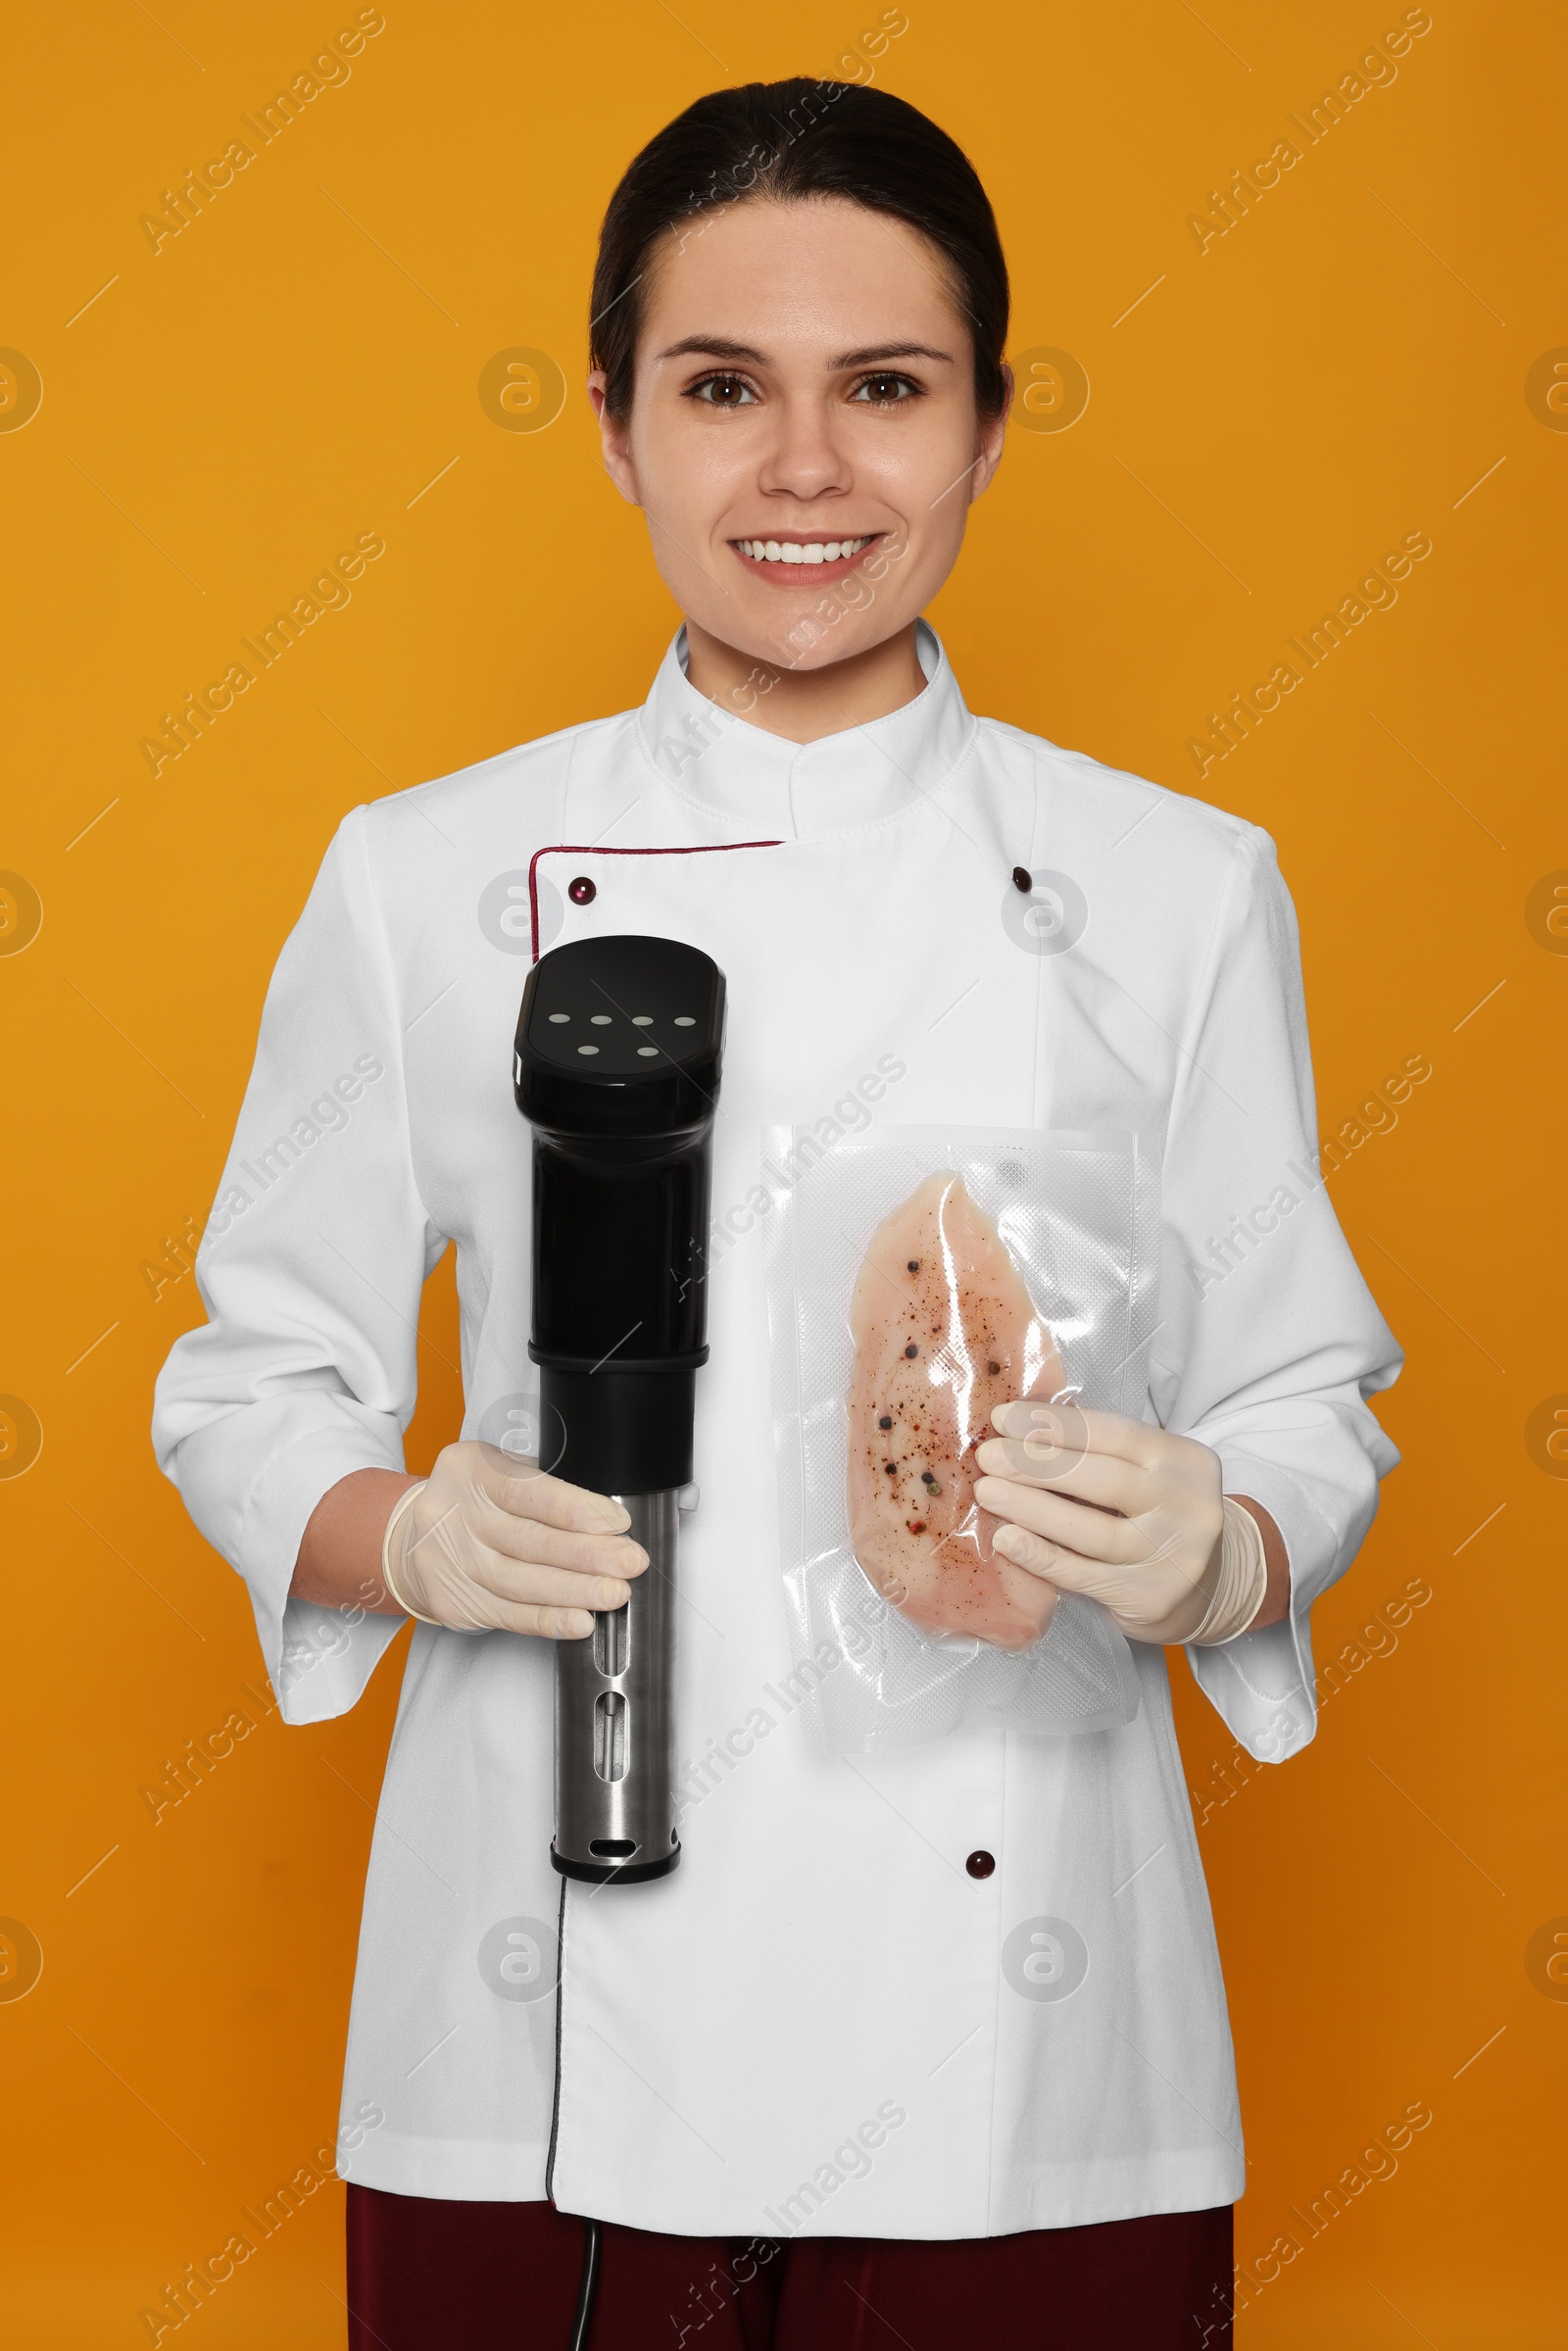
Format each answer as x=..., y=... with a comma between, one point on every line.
x=802, y=437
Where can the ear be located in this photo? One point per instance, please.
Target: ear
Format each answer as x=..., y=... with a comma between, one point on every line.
x=614, y=442
x=991, y=433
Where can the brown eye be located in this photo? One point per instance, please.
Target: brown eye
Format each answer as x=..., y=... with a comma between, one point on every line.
x=723, y=391
x=885, y=391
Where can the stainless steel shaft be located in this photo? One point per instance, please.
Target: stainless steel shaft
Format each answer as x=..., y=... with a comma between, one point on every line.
x=614, y=1720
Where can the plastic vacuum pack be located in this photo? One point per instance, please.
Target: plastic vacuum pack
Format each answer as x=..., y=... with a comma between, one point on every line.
x=917, y=1278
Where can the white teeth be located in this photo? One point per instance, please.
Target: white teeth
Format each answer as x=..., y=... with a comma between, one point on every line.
x=793, y=551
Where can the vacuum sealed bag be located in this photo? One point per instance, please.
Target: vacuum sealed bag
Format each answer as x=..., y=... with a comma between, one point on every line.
x=917, y=1278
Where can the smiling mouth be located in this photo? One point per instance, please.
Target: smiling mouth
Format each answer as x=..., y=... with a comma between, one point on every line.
x=789, y=561
x=800, y=553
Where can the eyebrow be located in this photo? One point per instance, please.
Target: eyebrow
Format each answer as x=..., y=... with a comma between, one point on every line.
x=888, y=350
x=746, y=354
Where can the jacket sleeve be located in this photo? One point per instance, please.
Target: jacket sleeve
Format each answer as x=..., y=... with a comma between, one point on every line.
x=310, y=1269
x=1270, y=1341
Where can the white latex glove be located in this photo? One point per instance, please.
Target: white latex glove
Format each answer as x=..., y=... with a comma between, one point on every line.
x=491, y=1544
x=1164, y=1551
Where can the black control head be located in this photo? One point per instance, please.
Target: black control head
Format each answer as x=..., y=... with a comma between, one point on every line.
x=620, y=1037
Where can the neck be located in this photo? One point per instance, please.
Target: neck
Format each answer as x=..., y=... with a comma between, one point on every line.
x=805, y=705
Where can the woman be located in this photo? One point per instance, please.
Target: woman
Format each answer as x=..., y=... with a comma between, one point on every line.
x=806, y=2082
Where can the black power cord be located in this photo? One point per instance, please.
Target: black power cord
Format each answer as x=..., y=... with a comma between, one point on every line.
x=587, y=2288
x=588, y=2283
x=593, y=2231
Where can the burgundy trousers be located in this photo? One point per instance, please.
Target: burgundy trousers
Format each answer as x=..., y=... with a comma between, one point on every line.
x=427, y=2275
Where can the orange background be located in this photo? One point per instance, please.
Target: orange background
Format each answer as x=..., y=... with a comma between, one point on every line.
x=222, y=416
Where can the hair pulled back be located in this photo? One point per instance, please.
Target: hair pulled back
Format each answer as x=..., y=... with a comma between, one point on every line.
x=789, y=141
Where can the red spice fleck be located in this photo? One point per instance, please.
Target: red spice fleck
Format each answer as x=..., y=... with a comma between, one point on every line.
x=916, y=1525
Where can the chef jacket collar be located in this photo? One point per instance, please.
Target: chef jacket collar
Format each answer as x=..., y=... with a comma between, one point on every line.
x=794, y=790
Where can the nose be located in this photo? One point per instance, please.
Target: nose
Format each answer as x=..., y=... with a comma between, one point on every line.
x=803, y=459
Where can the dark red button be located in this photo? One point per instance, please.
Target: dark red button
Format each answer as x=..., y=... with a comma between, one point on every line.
x=1022, y=879
x=582, y=892
x=981, y=1865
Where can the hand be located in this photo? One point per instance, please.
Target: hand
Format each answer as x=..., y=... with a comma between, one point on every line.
x=489, y=1543
x=1148, y=1549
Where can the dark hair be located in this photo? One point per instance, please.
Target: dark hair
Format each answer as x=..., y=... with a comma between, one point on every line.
x=791, y=141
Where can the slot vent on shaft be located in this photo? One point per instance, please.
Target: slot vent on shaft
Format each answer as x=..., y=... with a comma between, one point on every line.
x=611, y=1642
x=609, y=1735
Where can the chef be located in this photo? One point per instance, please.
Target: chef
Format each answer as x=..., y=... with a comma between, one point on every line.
x=938, y=2035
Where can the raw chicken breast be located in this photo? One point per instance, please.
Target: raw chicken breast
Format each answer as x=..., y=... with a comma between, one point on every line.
x=942, y=1331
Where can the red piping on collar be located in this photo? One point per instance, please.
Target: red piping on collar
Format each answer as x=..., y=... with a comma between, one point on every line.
x=580, y=849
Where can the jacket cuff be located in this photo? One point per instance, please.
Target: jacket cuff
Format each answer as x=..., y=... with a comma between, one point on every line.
x=1262, y=1684
x=318, y=1660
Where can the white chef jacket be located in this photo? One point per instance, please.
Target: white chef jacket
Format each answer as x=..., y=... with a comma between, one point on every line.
x=822, y=2021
